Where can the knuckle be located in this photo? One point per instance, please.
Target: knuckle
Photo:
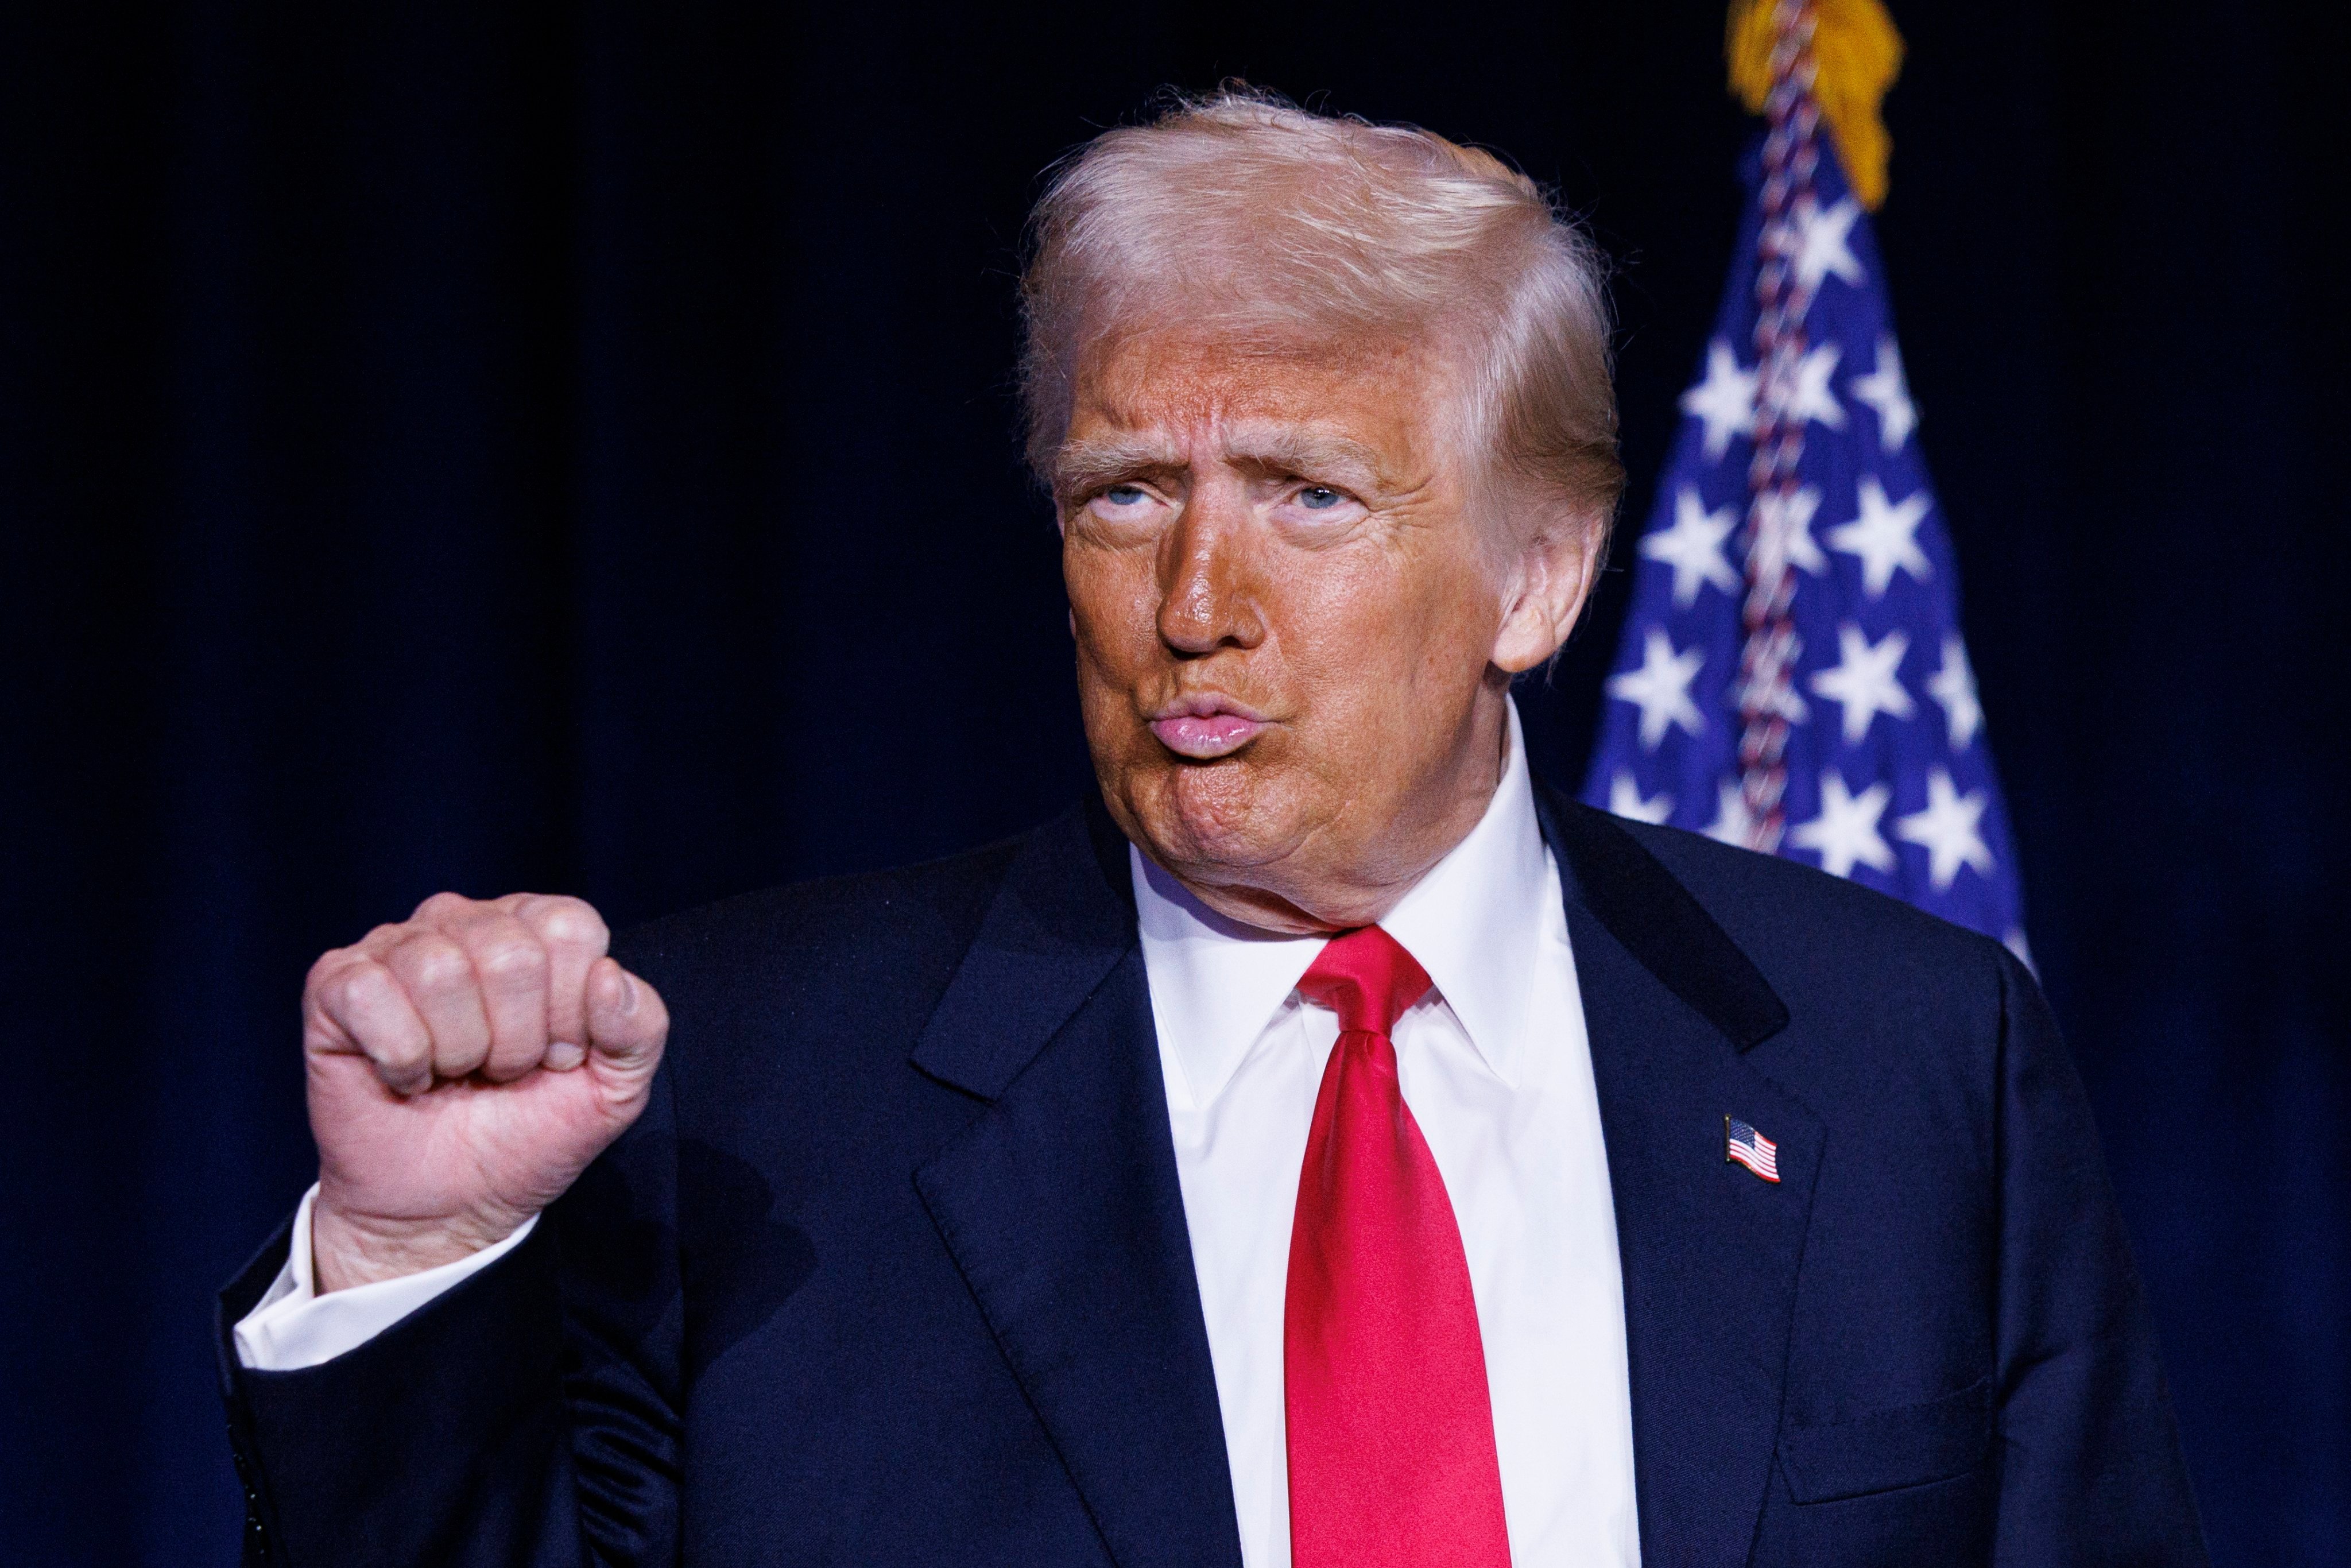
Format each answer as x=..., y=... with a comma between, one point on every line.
x=350, y=988
x=329, y=968
x=341, y=987
x=571, y=923
x=437, y=966
x=443, y=906
x=512, y=961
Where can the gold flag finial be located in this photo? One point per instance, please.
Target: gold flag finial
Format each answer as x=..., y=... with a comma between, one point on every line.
x=1856, y=53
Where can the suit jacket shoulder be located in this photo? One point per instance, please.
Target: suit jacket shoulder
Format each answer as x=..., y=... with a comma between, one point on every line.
x=1933, y=1301
x=1899, y=1016
x=1808, y=930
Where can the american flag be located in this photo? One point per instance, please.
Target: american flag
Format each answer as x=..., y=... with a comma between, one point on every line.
x=1749, y=1149
x=1792, y=678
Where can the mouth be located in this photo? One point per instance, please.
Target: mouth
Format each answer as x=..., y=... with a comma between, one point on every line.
x=1206, y=728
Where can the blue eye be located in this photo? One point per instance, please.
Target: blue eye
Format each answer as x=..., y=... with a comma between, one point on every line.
x=1319, y=497
x=1123, y=495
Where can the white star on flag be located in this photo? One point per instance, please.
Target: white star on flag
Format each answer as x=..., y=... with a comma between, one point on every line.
x=1796, y=483
x=1625, y=800
x=1693, y=546
x=1826, y=246
x=1948, y=830
x=1812, y=397
x=1731, y=825
x=1863, y=681
x=1784, y=534
x=1884, y=390
x=1954, y=686
x=1885, y=537
x=1725, y=400
x=1660, y=689
x=1845, y=832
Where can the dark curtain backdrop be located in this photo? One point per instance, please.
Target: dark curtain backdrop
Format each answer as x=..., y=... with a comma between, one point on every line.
x=572, y=448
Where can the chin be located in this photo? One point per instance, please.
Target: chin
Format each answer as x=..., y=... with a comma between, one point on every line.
x=1198, y=818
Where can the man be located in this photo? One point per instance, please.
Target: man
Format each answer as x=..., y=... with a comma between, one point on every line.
x=1328, y=1146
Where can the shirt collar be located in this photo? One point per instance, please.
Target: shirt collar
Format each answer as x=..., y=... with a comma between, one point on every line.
x=1474, y=922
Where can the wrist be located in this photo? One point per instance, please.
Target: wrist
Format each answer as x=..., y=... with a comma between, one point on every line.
x=349, y=1250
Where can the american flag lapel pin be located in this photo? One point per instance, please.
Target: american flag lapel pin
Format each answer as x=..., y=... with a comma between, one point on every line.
x=1750, y=1148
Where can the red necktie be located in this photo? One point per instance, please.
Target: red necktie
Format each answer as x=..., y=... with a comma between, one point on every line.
x=1391, y=1430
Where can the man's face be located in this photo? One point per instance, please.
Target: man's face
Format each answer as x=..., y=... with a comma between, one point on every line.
x=1286, y=621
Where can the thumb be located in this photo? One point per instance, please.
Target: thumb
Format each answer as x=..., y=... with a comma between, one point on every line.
x=627, y=1023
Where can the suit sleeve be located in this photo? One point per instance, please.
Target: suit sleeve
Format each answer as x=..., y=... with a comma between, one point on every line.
x=2090, y=1468
x=527, y=1415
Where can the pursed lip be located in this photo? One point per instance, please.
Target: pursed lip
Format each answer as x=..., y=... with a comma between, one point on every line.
x=1205, y=727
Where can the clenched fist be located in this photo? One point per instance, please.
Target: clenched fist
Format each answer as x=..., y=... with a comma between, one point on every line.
x=465, y=1067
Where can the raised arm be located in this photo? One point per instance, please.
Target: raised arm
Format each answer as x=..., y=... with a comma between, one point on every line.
x=465, y=1067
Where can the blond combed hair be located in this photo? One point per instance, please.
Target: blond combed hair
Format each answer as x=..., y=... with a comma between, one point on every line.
x=1241, y=214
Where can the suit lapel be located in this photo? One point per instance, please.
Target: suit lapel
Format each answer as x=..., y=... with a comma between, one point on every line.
x=1709, y=1252
x=1061, y=1203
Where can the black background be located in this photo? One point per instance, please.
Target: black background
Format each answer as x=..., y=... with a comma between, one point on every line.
x=482, y=447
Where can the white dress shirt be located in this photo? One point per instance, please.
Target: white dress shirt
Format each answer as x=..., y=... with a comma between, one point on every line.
x=293, y=1326
x=1497, y=1070
x=1494, y=1063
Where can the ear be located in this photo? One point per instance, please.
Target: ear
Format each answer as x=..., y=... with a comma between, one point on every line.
x=1548, y=586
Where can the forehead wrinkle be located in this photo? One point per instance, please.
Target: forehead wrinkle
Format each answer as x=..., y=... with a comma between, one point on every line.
x=1183, y=405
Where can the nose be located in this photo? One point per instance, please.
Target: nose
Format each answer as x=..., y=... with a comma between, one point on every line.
x=1209, y=576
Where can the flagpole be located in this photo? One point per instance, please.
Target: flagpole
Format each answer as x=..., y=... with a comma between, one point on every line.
x=1765, y=691
x=1793, y=677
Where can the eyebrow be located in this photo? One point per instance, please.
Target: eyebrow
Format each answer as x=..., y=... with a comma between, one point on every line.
x=1304, y=451
x=1087, y=465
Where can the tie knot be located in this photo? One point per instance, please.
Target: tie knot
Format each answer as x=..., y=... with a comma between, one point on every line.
x=1367, y=978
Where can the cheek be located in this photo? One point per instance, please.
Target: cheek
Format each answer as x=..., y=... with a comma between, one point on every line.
x=1111, y=602
x=1383, y=626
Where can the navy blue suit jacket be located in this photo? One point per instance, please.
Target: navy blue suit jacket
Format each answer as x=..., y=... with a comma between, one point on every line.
x=894, y=1268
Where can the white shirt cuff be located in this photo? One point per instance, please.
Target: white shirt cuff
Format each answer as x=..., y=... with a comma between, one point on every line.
x=293, y=1327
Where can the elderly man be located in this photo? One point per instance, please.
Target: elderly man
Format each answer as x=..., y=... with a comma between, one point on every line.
x=1313, y=1150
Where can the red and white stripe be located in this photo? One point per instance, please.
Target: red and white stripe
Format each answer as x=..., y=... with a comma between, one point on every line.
x=1761, y=1156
